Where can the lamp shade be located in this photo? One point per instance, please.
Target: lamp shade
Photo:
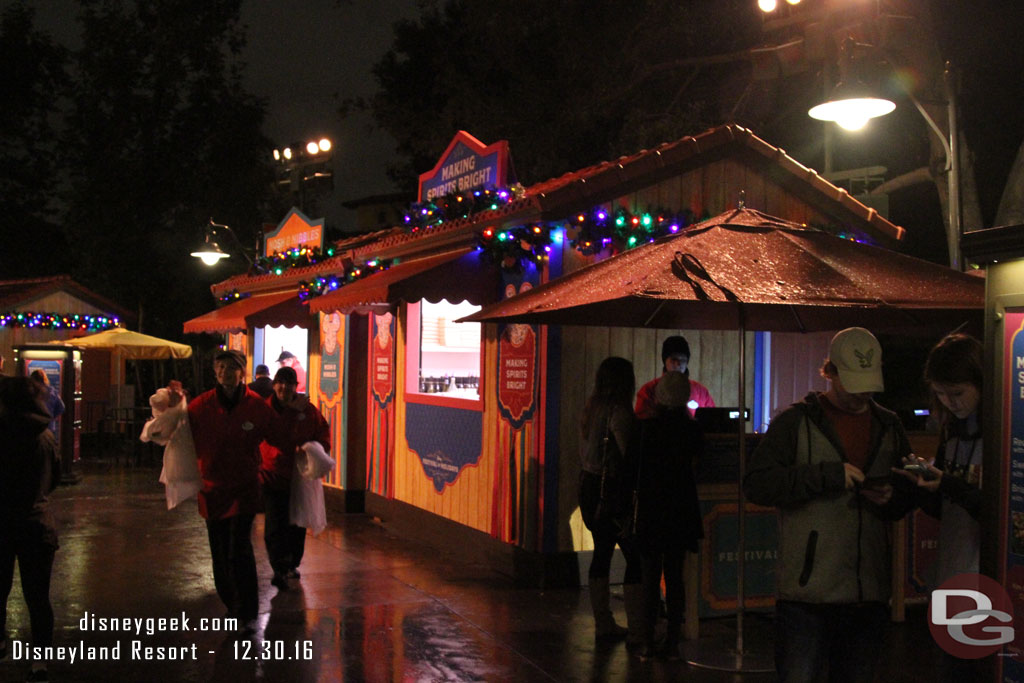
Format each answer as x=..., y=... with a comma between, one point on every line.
x=210, y=252
x=851, y=106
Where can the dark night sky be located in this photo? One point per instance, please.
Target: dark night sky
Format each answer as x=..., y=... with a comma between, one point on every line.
x=306, y=57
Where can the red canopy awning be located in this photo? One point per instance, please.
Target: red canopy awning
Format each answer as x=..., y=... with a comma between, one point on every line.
x=747, y=269
x=280, y=308
x=454, y=276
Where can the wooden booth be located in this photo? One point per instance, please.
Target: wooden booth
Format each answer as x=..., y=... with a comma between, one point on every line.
x=466, y=435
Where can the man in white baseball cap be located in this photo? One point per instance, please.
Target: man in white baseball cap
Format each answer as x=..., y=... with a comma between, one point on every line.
x=826, y=464
x=857, y=357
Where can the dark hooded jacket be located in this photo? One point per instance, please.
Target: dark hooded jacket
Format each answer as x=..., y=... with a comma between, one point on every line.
x=833, y=543
x=29, y=461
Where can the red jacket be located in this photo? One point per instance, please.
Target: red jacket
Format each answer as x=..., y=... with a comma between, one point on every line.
x=645, y=403
x=227, y=446
x=291, y=429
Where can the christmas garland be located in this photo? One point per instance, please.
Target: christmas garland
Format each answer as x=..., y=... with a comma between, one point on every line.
x=619, y=230
x=591, y=232
x=325, y=284
x=450, y=207
x=58, y=321
x=297, y=257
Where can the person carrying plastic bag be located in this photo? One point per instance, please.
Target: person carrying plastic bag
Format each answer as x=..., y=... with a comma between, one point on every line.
x=180, y=473
x=292, y=501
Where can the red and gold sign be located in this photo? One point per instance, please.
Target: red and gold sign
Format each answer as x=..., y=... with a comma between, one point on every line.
x=382, y=359
x=517, y=372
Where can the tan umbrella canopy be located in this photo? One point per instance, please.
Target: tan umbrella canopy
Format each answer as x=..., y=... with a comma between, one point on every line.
x=745, y=268
x=132, y=345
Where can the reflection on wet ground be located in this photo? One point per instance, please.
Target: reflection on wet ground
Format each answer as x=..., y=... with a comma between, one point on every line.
x=369, y=607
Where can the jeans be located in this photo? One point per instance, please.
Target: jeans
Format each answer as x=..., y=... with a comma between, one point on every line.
x=843, y=639
x=605, y=535
x=35, y=562
x=234, y=564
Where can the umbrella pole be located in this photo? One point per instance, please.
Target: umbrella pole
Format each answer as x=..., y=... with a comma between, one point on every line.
x=738, y=659
x=741, y=516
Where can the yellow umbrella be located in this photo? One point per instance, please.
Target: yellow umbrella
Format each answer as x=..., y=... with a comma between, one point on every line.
x=132, y=345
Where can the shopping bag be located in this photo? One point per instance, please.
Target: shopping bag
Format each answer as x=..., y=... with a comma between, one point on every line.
x=306, y=505
x=169, y=427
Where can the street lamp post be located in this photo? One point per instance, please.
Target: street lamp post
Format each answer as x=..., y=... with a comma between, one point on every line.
x=851, y=106
x=304, y=164
x=210, y=253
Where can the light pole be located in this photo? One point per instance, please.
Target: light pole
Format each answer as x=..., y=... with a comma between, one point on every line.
x=302, y=165
x=852, y=104
x=210, y=253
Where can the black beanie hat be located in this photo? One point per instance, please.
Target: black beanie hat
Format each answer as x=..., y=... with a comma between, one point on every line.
x=674, y=345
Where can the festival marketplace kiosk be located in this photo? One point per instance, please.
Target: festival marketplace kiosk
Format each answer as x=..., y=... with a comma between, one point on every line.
x=489, y=460
x=467, y=437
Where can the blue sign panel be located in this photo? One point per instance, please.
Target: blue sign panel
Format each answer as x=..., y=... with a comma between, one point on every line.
x=466, y=165
x=445, y=439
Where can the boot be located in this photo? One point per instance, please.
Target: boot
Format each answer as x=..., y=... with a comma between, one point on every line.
x=604, y=622
x=672, y=640
x=641, y=629
x=676, y=611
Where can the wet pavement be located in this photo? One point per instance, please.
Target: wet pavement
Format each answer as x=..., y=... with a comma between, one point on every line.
x=370, y=606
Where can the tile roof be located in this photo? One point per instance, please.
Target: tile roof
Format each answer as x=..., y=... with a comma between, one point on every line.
x=556, y=197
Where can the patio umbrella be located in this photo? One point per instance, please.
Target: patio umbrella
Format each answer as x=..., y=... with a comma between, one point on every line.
x=741, y=270
x=133, y=345
x=128, y=345
x=745, y=268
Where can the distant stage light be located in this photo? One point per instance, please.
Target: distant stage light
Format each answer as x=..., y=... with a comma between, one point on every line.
x=277, y=155
x=312, y=148
x=325, y=145
x=287, y=153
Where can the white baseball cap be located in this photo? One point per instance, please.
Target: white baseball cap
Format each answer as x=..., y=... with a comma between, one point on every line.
x=857, y=356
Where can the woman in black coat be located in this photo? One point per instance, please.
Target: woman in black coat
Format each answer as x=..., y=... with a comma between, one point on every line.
x=669, y=522
x=29, y=471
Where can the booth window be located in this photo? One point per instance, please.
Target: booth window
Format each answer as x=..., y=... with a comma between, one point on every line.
x=445, y=359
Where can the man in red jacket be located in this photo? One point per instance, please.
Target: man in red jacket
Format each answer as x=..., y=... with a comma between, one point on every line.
x=228, y=423
x=298, y=422
x=675, y=357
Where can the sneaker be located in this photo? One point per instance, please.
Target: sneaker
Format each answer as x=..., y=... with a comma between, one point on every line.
x=38, y=675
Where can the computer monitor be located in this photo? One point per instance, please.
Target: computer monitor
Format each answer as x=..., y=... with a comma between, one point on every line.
x=720, y=420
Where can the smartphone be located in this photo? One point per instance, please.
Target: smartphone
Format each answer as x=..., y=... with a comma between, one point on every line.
x=919, y=469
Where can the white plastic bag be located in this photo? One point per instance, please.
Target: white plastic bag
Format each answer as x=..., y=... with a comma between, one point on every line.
x=306, y=504
x=313, y=462
x=169, y=427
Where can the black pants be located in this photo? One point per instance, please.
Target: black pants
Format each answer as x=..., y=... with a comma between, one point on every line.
x=605, y=535
x=667, y=561
x=234, y=564
x=35, y=562
x=286, y=543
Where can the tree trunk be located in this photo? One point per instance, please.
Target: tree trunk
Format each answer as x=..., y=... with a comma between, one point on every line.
x=1011, y=205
